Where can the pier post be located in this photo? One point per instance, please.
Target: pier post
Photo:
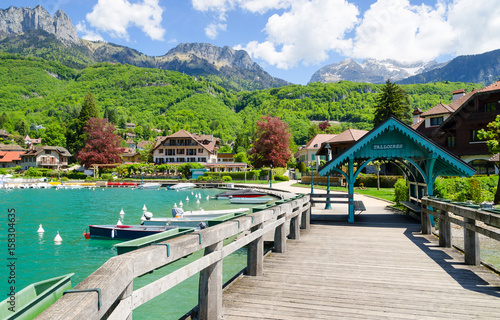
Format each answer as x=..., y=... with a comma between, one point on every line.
x=210, y=287
x=255, y=255
x=425, y=221
x=306, y=218
x=294, y=228
x=444, y=230
x=471, y=244
x=280, y=234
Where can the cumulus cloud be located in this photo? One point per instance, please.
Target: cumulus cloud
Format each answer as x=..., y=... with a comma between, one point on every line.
x=306, y=33
x=116, y=16
x=86, y=34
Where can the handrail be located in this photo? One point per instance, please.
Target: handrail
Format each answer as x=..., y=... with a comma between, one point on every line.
x=115, y=277
x=470, y=216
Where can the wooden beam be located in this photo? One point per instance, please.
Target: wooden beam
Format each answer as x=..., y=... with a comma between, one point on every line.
x=210, y=287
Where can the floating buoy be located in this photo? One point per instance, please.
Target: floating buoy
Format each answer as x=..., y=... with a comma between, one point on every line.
x=119, y=223
x=198, y=201
x=40, y=229
x=144, y=208
x=208, y=197
x=199, y=195
x=192, y=193
x=86, y=235
x=180, y=204
x=187, y=199
x=122, y=212
x=58, y=238
x=175, y=205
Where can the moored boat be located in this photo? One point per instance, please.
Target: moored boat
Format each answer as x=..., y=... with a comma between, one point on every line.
x=35, y=298
x=259, y=200
x=149, y=185
x=125, y=231
x=240, y=193
x=182, y=186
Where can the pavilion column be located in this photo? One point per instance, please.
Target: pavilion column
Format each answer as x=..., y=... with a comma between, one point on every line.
x=350, y=184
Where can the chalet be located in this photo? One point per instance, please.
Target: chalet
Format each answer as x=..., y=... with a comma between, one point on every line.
x=130, y=125
x=4, y=134
x=10, y=155
x=131, y=144
x=341, y=142
x=45, y=157
x=130, y=156
x=31, y=142
x=182, y=146
x=455, y=126
x=143, y=144
x=307, y=153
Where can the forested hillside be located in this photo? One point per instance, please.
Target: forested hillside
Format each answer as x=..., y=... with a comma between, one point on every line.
x=38, y=92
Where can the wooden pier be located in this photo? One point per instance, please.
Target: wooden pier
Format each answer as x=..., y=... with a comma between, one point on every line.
x=380, y=267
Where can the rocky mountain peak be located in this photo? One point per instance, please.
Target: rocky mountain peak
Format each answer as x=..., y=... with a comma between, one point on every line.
x=16, y=20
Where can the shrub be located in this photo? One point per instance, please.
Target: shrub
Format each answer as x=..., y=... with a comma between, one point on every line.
x=401, y=191
x=279, y=177
x=227, y=178
x=33, y=172
x=370, y=181
x=107, y=176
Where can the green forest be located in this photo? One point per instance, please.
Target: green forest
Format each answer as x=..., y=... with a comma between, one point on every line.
x=39, y=92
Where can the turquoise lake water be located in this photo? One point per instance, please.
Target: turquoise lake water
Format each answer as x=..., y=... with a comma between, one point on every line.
x=70, y=211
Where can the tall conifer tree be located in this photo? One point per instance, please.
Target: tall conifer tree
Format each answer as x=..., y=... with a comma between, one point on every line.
x=392, y=101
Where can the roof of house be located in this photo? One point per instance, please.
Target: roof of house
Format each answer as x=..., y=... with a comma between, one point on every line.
x=10, y=156
x=348, y=135
x=39, y=149
x=440, y=108
x=211, y=141
x=129, y=141
x=4, y=132
x=317, y=140
x=143, y=143
x=11, y=147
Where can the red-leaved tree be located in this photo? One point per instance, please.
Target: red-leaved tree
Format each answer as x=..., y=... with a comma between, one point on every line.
x=271, y=143
x=102, y=145
x=323, y=125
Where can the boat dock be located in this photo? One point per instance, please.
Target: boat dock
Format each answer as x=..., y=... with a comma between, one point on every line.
x=381, y=266
x=321, y=267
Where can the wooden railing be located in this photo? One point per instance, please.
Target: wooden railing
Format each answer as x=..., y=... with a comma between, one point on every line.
x=108, y=292
x=465, y=217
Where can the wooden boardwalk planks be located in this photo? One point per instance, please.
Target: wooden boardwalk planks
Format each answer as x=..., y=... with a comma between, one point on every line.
x=378, y=269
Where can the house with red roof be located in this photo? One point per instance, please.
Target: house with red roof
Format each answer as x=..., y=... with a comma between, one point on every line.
x=455, y=126
x=182, y=146
x=307, y=153
x=10, y=155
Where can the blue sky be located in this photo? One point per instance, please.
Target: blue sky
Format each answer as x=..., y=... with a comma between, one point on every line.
x=291, y=39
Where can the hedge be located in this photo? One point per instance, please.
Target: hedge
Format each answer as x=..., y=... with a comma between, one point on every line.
x=370, y=180
x=476, y=188
x=235, y=175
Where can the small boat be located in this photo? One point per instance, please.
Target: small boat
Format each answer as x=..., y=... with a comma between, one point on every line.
x=125, y=231
x=69, y=186
x=240, y=193
x=149, y=185
x=194, y=221
x=259, y=200
x=182, y=186
x=180, y=213
x=35, y=298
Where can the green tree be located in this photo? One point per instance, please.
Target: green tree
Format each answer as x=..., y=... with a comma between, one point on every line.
x=146, y=154
x=75, y=135
x=492, y=137
x=89, y=109
x=3, y=120
x=241, y=157
x=54, y=135
x=393, y=100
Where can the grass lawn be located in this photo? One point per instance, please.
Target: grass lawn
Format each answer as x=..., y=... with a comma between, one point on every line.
x=383, y=193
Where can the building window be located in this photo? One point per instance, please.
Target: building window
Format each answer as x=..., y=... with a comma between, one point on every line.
x=47, y=151
x=474, y=137
x=180, y=151
x=313, y=157
x=489, y=107
x=436, y=121
x=483, y=167
x=171, y=152
x=160, y=151
x=200, y=150
x=450, y=141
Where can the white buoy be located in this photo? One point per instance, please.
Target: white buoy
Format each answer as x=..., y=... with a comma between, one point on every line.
x=208, y=197
x=187, y=199
x=192, y=193
x=198, y=201
x=40, y=229
x=119, y=223
x=122, y=212
x=144, y=208
x=199, y=195
x=175, y=205
x=180, y=204
x=58, y=238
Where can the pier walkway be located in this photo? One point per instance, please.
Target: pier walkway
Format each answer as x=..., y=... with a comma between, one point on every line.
x=380, y=267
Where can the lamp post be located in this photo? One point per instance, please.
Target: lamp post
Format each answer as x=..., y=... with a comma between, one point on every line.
x=329, y=157
x=142, y=177
x=312, y=178
x=271, y=179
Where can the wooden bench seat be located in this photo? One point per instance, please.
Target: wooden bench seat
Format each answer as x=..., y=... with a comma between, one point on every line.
x=412, y=206
x=359, y=206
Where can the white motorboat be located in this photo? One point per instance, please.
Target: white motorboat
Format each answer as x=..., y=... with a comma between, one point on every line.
x=69, y=186
x=258, y=200
x=149, y=185
x=182, y=186
x=206, y=214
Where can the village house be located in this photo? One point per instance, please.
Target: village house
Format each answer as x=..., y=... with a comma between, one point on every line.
x=455, y=126
x=10, y=155
x=130, y=125
x=4, y=134
x=307, y=153
x=130, y=156
x=31, y=142
x=49, y=157
x=182, y=146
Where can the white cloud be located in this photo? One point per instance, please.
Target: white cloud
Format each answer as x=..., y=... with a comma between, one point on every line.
x=212, y=30
x=86, y=34
x=307, y=32
x=116, y=16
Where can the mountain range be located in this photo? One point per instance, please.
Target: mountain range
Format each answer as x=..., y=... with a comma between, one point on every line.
x=33, y=32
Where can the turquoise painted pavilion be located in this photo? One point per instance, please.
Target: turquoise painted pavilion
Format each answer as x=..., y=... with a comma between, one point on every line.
x=418, y=157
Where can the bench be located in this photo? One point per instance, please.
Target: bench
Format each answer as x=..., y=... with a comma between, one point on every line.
x=359, y=206
x=412, y=206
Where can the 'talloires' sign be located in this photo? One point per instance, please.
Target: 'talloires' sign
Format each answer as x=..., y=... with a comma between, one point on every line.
x=391, y=146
